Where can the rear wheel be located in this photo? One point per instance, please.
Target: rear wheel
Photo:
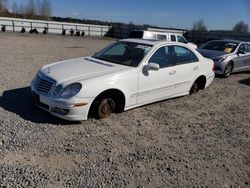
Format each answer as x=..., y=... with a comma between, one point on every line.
x=195, y=88
x=105, y=107
x=228, y=70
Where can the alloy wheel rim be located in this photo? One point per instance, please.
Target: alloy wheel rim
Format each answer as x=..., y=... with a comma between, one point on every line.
x=228, y=70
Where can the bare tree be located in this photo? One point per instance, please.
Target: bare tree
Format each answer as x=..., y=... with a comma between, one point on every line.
x=31, y=9
x=2, y=7
x=45, y=9
x=199, y=26
x=240, y=27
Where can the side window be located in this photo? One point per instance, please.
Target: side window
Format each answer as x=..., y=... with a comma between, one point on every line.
x=173, y=38
x=242, y=47
x=181, y=39
x=161, y=37
x=248, y=47
x=163, y=57
x=184, y=55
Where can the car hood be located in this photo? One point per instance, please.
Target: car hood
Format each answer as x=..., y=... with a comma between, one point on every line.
x=212, y=54
x=80, y=69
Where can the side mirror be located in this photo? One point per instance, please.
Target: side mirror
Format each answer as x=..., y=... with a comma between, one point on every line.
x=241, y=52
x=153, y=66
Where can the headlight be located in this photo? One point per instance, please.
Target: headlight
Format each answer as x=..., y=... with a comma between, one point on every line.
x=71, y=90
x=57, y=90
x=220, y=59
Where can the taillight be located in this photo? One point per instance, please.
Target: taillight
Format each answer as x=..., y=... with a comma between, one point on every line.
x=213, y=69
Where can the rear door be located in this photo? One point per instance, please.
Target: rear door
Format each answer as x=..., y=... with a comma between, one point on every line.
x=188, y=68
x=248, y=56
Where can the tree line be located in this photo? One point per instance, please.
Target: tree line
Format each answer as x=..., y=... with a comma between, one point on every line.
x=39, y=9
x=239, y=27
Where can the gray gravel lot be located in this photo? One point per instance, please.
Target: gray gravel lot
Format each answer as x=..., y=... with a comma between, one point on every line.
x=192, y=141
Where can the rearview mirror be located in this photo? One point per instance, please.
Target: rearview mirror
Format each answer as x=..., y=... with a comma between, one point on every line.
x=153, y=66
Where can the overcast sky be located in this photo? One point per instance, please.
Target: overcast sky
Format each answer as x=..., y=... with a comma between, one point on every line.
x=217, y=14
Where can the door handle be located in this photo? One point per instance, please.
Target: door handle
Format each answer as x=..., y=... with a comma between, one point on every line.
x=195, y=68
x=172, y=73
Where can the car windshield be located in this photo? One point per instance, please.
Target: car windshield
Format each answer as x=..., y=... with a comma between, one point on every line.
x=225, y=46
x=124, y=53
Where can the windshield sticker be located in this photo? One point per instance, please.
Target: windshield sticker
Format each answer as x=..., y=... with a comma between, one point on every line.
x=228, y=50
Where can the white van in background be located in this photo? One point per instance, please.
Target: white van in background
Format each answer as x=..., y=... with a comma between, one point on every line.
x=152, y=35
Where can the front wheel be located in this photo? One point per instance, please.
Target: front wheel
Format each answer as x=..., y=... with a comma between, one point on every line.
x=228, y=70
x=105, y=107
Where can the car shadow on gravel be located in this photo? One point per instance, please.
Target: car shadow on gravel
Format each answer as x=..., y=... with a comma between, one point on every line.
x=19, y=101
x=245, y=81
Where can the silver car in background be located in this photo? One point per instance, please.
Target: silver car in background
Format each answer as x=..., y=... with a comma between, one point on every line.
x=228, y=55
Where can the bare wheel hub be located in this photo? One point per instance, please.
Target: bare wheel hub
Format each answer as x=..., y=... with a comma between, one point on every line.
x=106, y=107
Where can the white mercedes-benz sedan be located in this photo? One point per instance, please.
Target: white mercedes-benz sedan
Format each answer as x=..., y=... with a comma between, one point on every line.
x=124, y=75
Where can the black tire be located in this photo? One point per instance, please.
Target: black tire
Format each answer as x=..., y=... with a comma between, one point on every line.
x=105, y=106
x=195, y=88
x=228, y=70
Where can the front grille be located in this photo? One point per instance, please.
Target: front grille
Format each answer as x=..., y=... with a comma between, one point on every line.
x=43, y=84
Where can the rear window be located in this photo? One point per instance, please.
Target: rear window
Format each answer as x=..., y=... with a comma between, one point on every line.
x=136, y=34
x=161, y=37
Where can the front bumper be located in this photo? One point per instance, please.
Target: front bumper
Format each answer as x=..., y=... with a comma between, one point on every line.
x=219, y=67
x=73, y=109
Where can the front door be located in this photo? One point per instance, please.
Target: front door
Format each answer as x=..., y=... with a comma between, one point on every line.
x=242, y=61
x=155, y=85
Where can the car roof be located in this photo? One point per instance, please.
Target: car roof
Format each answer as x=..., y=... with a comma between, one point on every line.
x=157, y=32
x=148, y=42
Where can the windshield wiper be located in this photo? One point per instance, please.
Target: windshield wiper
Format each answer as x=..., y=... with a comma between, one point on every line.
x=109, y=60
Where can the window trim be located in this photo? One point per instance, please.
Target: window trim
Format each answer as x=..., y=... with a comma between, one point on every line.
x=174, y=56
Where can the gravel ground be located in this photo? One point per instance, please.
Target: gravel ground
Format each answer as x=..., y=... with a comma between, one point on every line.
x=191, y=141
